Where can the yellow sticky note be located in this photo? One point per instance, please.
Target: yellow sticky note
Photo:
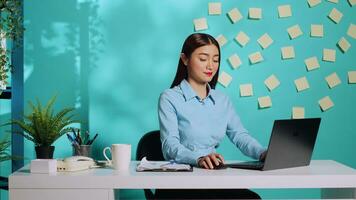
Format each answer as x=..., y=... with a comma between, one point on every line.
x=255, y=57
x=313, y=3
x=200, y=24
x=333, y=1
x=335, y=15
x=264, y=102
x=272, y=82
x=294, y=31
x=284, y=11
x=332, y=80
x=352, y=2
x=255, y=13
x=352, y=76
x=326, y=103
x=214, y=8
x=234, y=15
x=225, y=79
x=344, y=45
x=301, y=84
x=311, y=63
x=242, y=38
x=288, y=52
x=329, y=55
x=352, y=31
x=265, y=41
x=221, y=40
x=246, y=90
x=317, y=30
x=235, y=61
x=298, y=113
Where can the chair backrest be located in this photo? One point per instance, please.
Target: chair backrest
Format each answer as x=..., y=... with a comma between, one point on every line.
x=150, y=146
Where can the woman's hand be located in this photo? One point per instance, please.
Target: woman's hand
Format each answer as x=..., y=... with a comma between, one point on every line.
x=210, y=161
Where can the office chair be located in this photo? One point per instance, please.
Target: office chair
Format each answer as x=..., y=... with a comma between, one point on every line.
x=4, y=183
x=150, y=146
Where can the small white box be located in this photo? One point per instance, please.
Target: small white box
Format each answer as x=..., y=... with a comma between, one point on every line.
x=43, y=166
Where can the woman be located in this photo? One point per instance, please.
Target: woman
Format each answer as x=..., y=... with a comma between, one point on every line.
x=194, y=117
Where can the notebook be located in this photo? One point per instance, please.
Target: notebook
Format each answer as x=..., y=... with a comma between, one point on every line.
x=162, y=166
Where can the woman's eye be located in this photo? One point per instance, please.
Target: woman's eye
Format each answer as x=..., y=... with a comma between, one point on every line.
x=202, y=59
x=216, y=61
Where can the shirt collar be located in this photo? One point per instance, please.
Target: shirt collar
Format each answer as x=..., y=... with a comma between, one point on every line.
x=189, y=93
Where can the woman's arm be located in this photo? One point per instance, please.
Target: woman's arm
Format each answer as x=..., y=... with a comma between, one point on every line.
x=240, y=136
x=171, y=146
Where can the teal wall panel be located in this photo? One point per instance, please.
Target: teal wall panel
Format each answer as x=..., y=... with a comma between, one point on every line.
x=112, y=58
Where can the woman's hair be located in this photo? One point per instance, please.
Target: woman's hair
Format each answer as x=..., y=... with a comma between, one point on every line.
x=193, y=42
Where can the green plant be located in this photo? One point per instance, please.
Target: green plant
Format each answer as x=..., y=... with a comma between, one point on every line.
x=11, y=27
x=42, y=126
x=4, y=145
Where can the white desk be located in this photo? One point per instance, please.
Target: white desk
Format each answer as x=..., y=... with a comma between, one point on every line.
x=334, y=179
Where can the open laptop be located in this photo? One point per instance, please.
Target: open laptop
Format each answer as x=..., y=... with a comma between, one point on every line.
x=291, y=145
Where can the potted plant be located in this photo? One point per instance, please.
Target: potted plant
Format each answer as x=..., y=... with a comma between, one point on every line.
x=11, y=29
x=43, y=127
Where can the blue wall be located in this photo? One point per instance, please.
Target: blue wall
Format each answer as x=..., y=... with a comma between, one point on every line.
x=112, y=58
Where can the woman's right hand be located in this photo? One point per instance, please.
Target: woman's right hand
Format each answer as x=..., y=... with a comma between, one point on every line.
x=210, y=161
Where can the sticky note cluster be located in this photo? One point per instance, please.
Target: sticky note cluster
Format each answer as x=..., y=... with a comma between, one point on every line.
x=351, y=31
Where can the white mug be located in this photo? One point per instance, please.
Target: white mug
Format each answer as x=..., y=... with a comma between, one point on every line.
x=121, y=156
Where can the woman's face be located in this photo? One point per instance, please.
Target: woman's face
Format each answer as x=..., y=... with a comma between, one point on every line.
x=202, y=64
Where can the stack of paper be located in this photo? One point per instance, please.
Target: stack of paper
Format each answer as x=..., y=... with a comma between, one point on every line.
x=146, y=165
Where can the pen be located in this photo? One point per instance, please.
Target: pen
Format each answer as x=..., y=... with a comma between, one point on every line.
x=70, y=138
x=92, y=140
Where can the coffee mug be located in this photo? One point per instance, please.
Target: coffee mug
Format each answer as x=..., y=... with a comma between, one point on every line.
x=120, y=154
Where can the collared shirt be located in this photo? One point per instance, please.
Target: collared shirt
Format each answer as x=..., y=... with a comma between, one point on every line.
x=191, y=127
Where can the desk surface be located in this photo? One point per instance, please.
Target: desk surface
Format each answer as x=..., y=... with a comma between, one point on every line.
x=319, y=174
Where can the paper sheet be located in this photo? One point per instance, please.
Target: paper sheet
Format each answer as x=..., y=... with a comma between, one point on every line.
x=214, y=8
x=335, y=15
x=288, y=52
x=234, y=15
x=333, y=80
x=301, y=84
x=242, y=38
x=284, y=11
x=344, y=45
x=317, y=30
x=235, y=61
x=200, y=24
x=246, y=90
x=298, y=113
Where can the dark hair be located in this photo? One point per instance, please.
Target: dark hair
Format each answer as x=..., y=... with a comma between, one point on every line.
x=193, y=42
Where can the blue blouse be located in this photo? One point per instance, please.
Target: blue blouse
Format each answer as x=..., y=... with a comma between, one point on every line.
x=191, y=127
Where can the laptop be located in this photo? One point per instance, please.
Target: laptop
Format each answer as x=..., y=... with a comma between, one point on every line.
x=291, y=145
